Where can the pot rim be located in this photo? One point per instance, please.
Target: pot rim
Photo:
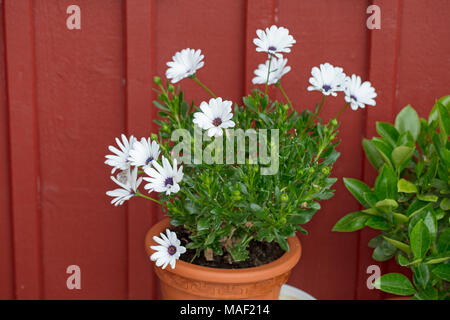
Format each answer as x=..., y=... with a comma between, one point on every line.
x=188, y=270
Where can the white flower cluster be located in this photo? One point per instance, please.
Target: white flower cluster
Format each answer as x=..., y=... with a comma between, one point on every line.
x=132, y=156
x=327, y=79
x=141, y=155
x=330, y=80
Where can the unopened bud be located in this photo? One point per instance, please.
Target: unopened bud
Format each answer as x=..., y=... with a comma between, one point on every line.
x=157, y=80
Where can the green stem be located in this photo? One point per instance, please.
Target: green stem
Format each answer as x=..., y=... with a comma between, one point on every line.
x=285, y=95
x=194, y=77
x=342, y=110
x=268, y=74
x=138, y=194
x=320, y=108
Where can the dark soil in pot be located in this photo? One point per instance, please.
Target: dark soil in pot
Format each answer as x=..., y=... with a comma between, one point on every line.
x=260, y=253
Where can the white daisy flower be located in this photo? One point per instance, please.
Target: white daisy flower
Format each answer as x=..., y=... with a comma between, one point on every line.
x=165, y=178
x=274, y=41
x=278, y=69
x=215, y=116
x=129, y=183
x=168, y=251
x=328, y=79
x=120, y=159
x=185, y=63
x=359, y=94
x=144, y=153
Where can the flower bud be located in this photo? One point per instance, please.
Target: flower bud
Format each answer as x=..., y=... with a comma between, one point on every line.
x=334, y=122
x=284, y=197
x=285, y=107
x=171, y=88
x=154, y=137
x=157, y=80
x=311, y=170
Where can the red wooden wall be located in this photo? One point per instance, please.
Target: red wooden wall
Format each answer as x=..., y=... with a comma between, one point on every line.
x=66, y=93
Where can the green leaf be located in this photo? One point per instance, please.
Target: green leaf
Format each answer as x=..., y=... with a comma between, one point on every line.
x=406, y=186
x=378, y=223
x=431, y=223
x=421, y=275
x=401, y=157
x=430, y=293
x=438, y=258
x=444, y=121
x=395, y=283
x=444, y=241
x=375, y=241
x=427, y=197
x=399, y=245
x=420, y=240
x=388, y=204
x=406, y=139
x=386, y=184
x=408, y=120
x=203, y=224
x=401, y=218
x=388, y=132
x=357, y=189
x=384, y=149
x=445, y=204
x=372, y=154
x=384, y=251
x=443, y=271
x=402, y=260
x=351, y=222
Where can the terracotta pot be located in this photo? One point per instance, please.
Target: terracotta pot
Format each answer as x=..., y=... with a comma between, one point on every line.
x=192, y=282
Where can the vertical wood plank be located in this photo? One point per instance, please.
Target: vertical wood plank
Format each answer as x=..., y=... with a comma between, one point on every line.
x=383, y=74
x=24, y=148
x=6, y=253
x=140, y=59
x=259, y=14
x=80, y=94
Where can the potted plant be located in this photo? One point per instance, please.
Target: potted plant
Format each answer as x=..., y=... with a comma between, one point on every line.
x=409, y=203
x=251, y=175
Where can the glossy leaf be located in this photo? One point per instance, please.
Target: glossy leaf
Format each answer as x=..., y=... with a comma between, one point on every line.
x=420, y=240
x=442, y=271
x=357, y=189
x=386, y=184
x=372, y=154
x=351, y=222
x=395, y=283
x=388, y=132
x=401, y=157
x=406, y=186
x=408, y=120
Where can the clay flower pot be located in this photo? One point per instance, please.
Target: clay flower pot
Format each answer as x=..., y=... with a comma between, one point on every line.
x=193, y=282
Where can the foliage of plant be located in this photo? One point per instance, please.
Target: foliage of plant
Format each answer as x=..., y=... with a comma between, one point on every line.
x=268, y=188
x=225, y=206
x=409, y=202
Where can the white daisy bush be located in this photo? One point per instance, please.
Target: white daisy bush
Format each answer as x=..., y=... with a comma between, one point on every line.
x=225, y=207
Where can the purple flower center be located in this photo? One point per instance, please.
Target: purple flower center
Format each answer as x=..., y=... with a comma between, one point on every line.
x=326, y=87
x=168, y=181
x=353, y=97
x=272, y=48
x=172, y=250
x=150, y=159
x=217, y=122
